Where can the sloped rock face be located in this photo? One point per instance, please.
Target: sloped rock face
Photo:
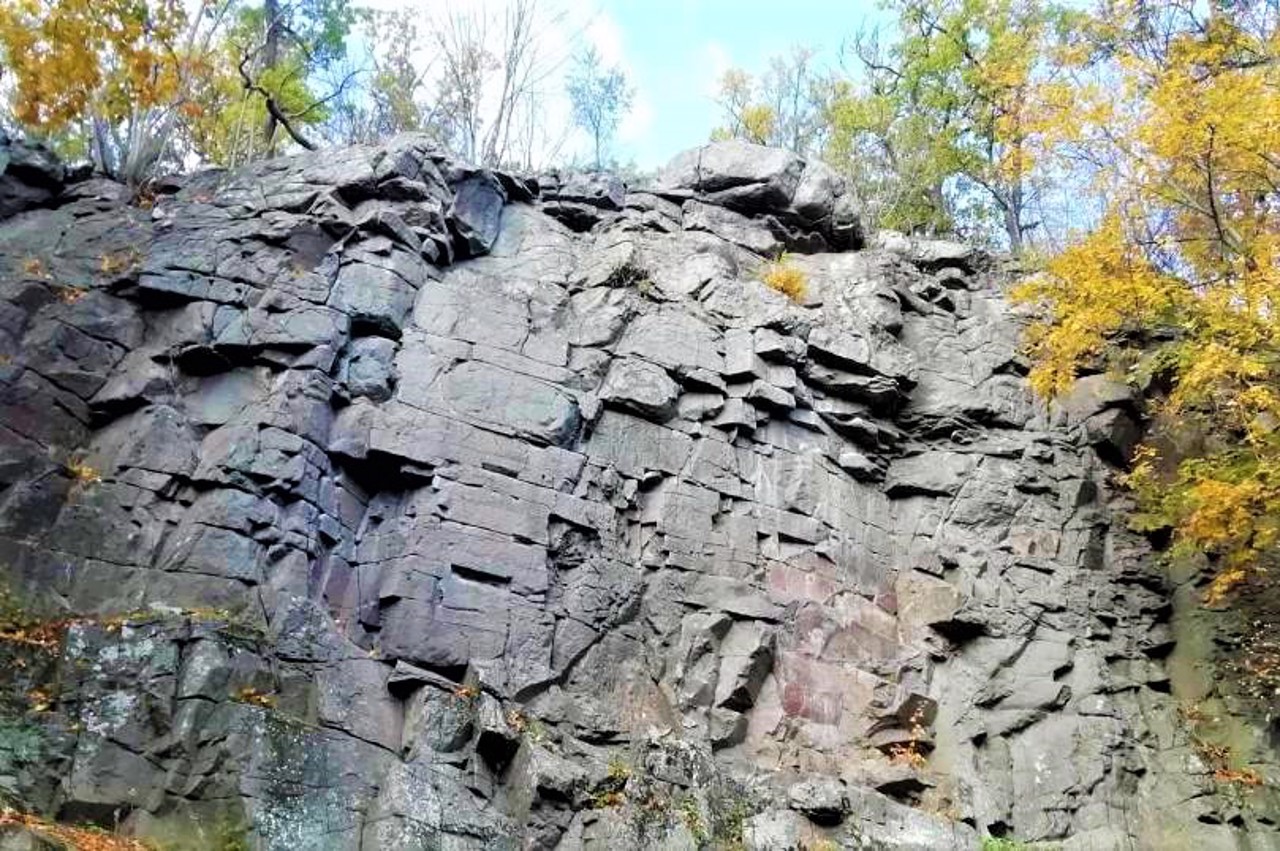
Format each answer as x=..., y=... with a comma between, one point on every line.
x=398, y=504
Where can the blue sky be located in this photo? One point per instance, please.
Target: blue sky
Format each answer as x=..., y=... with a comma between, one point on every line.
x=672, y=51
x=675, y=50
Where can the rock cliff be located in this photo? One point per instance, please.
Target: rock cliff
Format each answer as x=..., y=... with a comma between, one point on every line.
x=367, y=500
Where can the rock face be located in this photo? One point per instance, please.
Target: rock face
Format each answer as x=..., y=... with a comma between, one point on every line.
x=383, y=502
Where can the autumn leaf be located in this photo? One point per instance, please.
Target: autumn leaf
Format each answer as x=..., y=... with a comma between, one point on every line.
x=1187, y=253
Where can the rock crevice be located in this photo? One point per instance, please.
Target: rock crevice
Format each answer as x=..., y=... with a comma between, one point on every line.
x=404, y=504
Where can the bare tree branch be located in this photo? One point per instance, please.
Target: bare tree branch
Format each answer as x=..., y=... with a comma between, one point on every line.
x=273, y=108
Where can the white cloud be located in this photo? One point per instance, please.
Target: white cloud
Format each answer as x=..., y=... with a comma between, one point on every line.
x=562, y=28
x=603, y=33
x=636, y=124
x=716, y=61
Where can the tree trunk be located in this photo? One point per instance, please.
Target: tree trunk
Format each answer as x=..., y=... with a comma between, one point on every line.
x=1013, y=220
x=940, y=217
x=104, y=162
x=270, y=57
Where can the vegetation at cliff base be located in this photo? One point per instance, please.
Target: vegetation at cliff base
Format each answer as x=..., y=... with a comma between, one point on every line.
x=67, y=836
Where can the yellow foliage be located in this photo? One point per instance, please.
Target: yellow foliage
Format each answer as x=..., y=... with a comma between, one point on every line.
x=70, y=836
x=608, y=800
x=786, y=278
x=70, y=295
x=908, y=755
x=1188, y=253
x=112, y=264
x=82, y=474
x=750, y=119
x=618, y=768
x=72, y=58
x=911, y=752
x=40, y=700
x=1088, y=293
x=256, y=697
x=1223, y=584
x=758, y=123
x=34, y=267
x=1238, y=776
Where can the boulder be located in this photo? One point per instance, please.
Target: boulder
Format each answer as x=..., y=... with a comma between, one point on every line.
x=475, y=217
x=641, y=387
x=30, y=175
x=368, y=369
x=823, y=801
x=734, y=174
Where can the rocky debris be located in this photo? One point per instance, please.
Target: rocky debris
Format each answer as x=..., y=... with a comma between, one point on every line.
x=404, y=504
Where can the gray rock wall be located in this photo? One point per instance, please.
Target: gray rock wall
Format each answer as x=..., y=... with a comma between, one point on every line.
x=399, y=504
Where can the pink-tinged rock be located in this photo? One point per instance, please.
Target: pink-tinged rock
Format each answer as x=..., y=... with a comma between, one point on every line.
x=801, y=700
x=788, y=584
x=793, y=695
x=857, y=643
x=809, y=631
x=823, y=707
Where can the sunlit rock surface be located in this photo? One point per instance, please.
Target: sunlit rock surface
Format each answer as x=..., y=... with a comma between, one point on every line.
x=404, y=504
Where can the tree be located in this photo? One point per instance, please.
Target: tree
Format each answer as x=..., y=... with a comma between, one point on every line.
x=976, y=84
x=745, y=118
x=875, y=132
x=782, y=108
x=390, y=97
x=1177, y=287
x=472, y=76
x=129, y=83
x=110, y=80
x=270, y=77
x=896, y=139
x=600, y=97
x=941, y=127
x=488, y=82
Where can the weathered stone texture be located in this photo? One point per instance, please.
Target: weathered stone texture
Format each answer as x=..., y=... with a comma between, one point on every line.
x=442, y=513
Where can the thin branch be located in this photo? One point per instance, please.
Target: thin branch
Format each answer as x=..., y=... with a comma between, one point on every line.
x=303, y=113
x=272, y=108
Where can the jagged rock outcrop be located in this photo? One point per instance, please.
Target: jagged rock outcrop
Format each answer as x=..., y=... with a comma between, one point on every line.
x=387, y=502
